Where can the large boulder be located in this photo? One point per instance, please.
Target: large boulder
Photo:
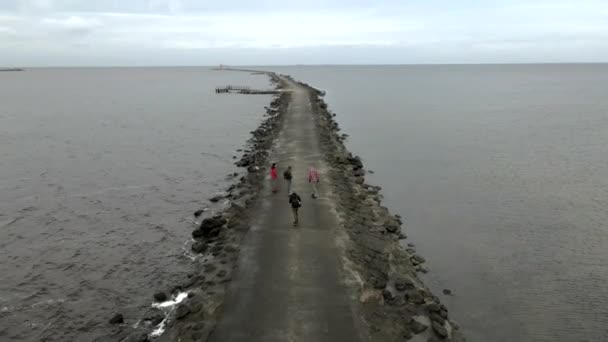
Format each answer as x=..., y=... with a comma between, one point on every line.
x=199, y=247
x=160, y=296
x=212, y=223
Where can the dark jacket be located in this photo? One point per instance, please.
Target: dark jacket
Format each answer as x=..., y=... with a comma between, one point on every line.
x=287, y=175
x=295, y=200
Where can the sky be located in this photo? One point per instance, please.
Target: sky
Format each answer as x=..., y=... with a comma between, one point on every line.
x=282, y=32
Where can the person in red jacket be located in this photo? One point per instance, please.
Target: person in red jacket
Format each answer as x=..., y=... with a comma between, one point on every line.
x=313, y=179
x=274, y=177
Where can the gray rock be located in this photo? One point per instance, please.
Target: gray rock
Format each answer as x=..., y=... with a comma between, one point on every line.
x=417, y=327
x=436, y=318
x=199, y=247
x=414, y=297
x=117, y=319
x=433, y=307
x=447, y=292
x=216, y=198
x=403, y=284
x=443, y=314
x=440, y=330
x=422, y=269
x=391, y=226
x=182, y=310
x=417, y=260
x=160, y=296
x=212, y=223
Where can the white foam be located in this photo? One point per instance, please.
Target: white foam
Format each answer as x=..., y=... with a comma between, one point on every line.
x=159, y=330
x=178, y=299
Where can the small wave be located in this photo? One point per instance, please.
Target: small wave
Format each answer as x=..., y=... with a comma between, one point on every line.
x=168, y=305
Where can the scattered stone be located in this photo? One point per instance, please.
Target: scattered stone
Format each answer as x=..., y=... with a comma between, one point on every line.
x=387, y=295
x=436, y=318
x=417, y=327
x=443, y=314
x=199, y=247
x=414, y=297
x=439, y=330
x=417, y=260
x=197, y=233
x=222, y=273
x=403, y=284
x=402, y=236
x=160, y=296
x=422, y=269
x=447, y=292
x=156, y=319
x=433, y=307
x=117, y=319
x=199, y=212
x=211, y=225
x=391, y=226
x=190, y=294
x=182, y=310
x=411, y=245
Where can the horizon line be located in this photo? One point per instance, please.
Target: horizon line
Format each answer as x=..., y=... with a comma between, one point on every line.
x=294, y=65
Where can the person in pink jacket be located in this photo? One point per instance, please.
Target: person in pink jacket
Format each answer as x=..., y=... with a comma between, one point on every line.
x=273, y=177
x=313, y=179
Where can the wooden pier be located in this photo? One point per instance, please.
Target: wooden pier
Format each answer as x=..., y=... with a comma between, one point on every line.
x=243, y=90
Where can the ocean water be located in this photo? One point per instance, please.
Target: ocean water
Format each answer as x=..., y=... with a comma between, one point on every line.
x=501, y=173
x=100, y=172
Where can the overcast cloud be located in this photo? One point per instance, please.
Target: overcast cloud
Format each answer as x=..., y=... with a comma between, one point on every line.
x=201, y=32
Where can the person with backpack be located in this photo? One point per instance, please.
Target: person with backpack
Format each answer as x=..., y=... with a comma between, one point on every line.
x=313, y=179
x=288, y=177
x=296, y=203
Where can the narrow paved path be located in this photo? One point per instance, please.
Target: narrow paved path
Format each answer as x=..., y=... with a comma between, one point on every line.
x=288, y=285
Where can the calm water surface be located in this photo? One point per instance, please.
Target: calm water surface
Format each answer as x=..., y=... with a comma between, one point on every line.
x=100, y=172
x=502, y=175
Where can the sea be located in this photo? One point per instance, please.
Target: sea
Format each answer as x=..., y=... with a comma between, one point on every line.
x=101, y=170
x=499, y=171
x=501, y=175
